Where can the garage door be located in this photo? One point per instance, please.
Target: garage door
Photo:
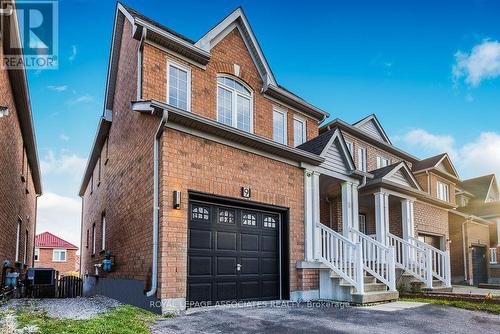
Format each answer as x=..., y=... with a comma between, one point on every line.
x=479, y=270
x=233, y=254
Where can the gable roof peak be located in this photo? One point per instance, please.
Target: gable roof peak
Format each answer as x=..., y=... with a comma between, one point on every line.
x=371, y=126
x=49, y=240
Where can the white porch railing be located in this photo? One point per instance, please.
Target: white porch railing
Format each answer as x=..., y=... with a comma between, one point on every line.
x=440, y=261
x=341, y=255
x=414, y=260
x=378, y=259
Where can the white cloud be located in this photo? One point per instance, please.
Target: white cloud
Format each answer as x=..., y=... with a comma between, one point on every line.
x=81, y=99
x=478, y=157
x=65, y=164
x=483, y=62
x=58, y=88
x=74, y=52
x=64, y=137
x=59, y=215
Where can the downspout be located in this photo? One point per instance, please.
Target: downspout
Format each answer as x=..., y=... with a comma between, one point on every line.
x=465, y=251
x=34, y=232
x=156, y=205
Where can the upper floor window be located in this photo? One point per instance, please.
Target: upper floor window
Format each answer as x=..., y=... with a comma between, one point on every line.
x=299, y=131
x=279, y=126
x=59, y=255
x=18, y=239
x=37, y=254
x=362, y=159
x=103, y=231
x=443, y=191
x=179, y=86
x=382, y=162
x=234, y=104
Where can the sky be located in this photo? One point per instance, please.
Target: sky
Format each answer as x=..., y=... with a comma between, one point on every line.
x=429, y=70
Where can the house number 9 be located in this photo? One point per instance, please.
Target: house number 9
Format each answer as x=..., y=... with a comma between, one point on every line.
x=246, y=192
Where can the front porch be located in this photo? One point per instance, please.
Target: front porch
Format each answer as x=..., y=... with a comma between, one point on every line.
x=366, y=238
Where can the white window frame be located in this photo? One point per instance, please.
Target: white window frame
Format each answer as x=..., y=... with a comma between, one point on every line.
x=493, y=255
x=26, y=239
x=186, y=69
x=381, y=159
x=37, y=254
x=103, y=232
x=350, y=147
x=362, y=219
x=443, y=191
x=304, y=129
x=234, y=101
x=18, y=239
x=59, y=251
x=285, y=125
x=93, y=238
x=362, y=159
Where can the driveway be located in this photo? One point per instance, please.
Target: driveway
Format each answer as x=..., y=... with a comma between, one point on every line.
x=398, y=317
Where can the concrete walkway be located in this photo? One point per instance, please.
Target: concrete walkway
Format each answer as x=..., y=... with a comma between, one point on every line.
x=472, y=290
x=398, y=317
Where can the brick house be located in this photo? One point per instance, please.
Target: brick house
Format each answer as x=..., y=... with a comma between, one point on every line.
x=208, y=181
x=475, y=231
x=54, y=252
x=20, y=183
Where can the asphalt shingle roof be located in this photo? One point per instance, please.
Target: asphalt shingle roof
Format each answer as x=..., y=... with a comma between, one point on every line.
x=427, y=163
x=478, y=186
x=317, y=144
x=48, y=240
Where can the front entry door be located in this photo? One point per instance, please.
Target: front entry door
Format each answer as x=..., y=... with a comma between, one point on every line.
x=233, y=254
x=479, y=265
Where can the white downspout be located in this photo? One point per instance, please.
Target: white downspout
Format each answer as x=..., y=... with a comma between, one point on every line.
x=156, y=204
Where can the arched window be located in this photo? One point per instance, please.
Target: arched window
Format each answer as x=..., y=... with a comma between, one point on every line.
x=234, y=104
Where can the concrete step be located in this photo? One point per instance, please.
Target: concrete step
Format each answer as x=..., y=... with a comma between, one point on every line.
x=366, y=278
x=374, y=297
x=375, y=287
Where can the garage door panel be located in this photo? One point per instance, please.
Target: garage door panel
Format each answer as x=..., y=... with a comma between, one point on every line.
x=226, y=241
x=269, y=243
x=200, y=239
x=249, y=242
x=269, y=289
x=250, y=290
x=200, y=265
x=249, y=266
x=227, y=291
x=199, y=292
x=269, y=266
x=226, y=265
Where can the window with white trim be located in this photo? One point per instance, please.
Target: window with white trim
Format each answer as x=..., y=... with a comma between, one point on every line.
x=279, y=126
x=234, y=104
x=493, y=255
x=26, y=242
x=350, y=147
x=93, y=239
x=59, y=255
x=179, y=86
x=362, y=223
x=362, y=159
x=299, y=131
x=18, y=239
x=37, y=254
x=382, y=162
x=443, y=191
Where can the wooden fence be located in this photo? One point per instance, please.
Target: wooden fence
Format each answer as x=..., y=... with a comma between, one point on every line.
x=69, y=287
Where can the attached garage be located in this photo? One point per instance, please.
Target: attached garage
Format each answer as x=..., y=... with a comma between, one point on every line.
x=236, y=251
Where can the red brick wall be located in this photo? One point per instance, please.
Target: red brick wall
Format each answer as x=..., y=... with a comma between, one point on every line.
x=431, y=219
x=45, y=261
x=15, y=203
x=221, y=170
x=125, y=193
x=231, y=50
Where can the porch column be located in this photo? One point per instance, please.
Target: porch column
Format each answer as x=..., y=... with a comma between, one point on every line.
x=311, y=212
x=347, y=208
x=407, y=219
x=355, y=206
x=381, y=216
x=498, y=232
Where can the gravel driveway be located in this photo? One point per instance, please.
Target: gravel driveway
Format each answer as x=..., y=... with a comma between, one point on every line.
x=389, y=318
x=70, y=308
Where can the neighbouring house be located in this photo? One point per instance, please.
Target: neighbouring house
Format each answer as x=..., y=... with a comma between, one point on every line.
x=54, y=252
x=209, y=182
x=20, y=183
x=475, y=228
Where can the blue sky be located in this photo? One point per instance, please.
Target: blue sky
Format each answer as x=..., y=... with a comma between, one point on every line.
x=430, y=71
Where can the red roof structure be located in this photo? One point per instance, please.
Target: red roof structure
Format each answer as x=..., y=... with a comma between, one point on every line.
x=48, y=240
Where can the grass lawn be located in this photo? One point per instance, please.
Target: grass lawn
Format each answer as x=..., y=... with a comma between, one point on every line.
x=123, y=319
x=467, y=305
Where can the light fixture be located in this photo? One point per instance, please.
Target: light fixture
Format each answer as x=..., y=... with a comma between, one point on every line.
x=177, y=200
